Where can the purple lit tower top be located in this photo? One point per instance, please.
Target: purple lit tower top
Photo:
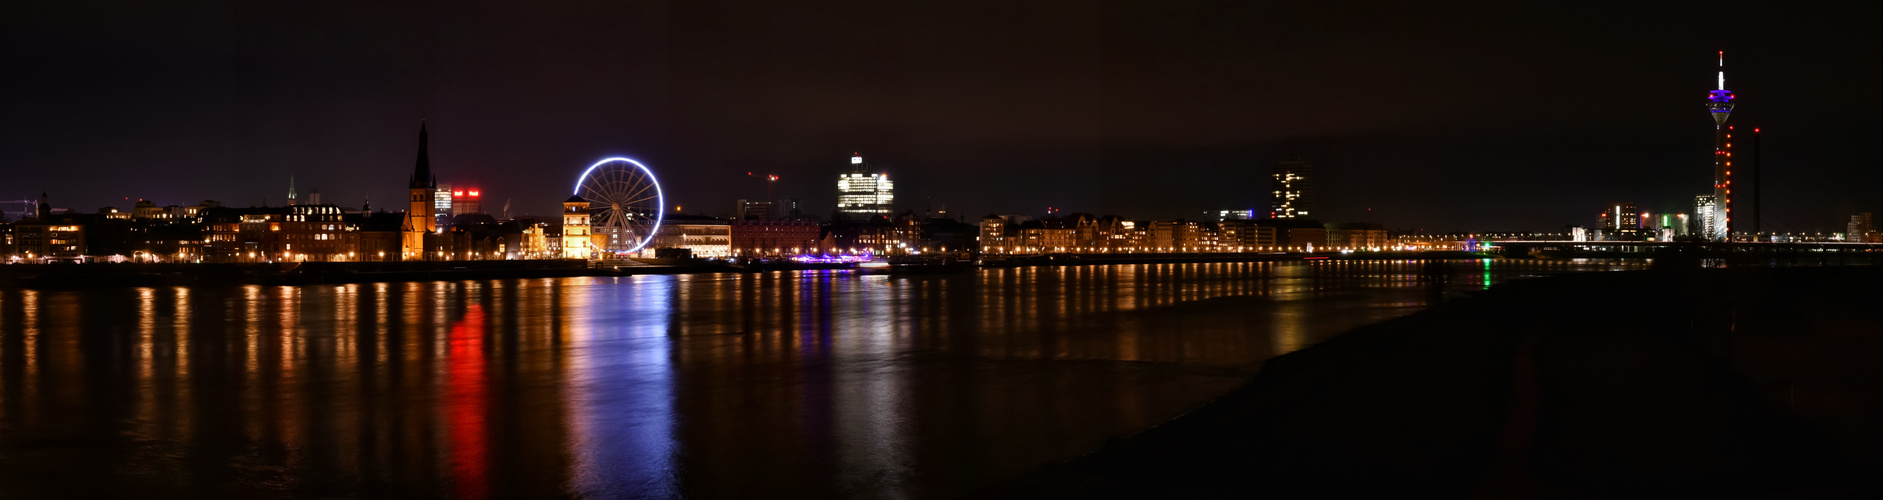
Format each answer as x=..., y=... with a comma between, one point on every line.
x=1717, y=211
x=1720, y=100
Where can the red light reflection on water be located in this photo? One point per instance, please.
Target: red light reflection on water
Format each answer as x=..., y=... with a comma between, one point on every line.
x=466, y=403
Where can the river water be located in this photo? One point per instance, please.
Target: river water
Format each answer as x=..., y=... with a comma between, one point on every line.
x=810, y=384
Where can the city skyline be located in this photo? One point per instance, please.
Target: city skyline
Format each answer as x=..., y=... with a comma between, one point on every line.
x=1377, y=137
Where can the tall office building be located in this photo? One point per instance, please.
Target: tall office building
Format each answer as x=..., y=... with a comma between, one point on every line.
x=1621, y=215
x=441, y=204
x=862, y=195
x=1293, y=192
x=466, y=201
x=420, y=219
x=1705, y=211
x=1720, y=104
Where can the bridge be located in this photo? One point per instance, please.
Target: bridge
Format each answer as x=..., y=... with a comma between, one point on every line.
x=1829, y=252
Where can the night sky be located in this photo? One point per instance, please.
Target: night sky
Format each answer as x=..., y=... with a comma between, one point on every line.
x=1494, y=117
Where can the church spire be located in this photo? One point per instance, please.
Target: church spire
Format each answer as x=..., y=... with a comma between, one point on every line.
x=422, y=174
x=290, y=189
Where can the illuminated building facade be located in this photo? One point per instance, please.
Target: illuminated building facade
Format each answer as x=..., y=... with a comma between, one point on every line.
x=862, y=195
x=1293, y=193
x=441, y=203
x=702, y=237
x=575, y=229
x=315, y=233
x=466, y=201
x=420, y=216
x=1720, y=103
x=1706, y=216
x=774, y=238
x=1621, y=221
x=1084, y=234
x=51, y=237
x=1356, y=236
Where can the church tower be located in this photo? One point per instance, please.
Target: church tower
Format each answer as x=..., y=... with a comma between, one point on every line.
x=419, y=219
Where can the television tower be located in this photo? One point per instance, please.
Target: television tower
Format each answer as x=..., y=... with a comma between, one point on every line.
x=1720, y=103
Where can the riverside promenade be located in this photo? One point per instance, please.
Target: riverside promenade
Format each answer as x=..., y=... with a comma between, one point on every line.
x=1694, y=383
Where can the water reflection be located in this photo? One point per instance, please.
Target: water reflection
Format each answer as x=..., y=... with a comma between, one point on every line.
x=821, y=383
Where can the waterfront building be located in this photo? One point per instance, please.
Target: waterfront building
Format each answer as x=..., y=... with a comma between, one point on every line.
x=1298, y=235
x=1356, y=236
x=421, y=219
x=863, y=195
x=316, y=233
x=1293, y=193
x=534, y=243
x=701, y=236
x=52, y=237
x=1720, y=104
x=773, y=238
x=575, y=229
x=993, y=235
x=874, y=236
x=299, y=233
x=379, y=235
x=1245, y=235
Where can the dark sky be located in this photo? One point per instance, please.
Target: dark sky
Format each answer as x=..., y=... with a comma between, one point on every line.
x=1506, y=115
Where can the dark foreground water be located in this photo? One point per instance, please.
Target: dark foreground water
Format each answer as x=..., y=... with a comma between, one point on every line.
x=815, y=384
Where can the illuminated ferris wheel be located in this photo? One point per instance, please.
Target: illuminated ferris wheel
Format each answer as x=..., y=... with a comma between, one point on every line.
x=624, y=203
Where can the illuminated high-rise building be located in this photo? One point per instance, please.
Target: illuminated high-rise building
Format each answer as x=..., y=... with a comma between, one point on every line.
x=1621, y=215
x=420, y=219
x=441, y=204
x=1720, y=104
x=1705, y=209
x=1293, y=193
x=862, y=195
x=466, y=201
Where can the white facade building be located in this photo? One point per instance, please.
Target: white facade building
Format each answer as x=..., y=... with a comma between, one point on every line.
x=862, y=194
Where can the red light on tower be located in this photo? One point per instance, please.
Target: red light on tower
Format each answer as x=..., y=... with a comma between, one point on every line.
x=474, y=193
x=457, y=193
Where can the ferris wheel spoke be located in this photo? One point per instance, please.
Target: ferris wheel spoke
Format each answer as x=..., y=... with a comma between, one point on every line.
x=640, y=187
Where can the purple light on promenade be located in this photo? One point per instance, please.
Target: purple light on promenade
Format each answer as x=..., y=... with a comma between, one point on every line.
x=834, y=259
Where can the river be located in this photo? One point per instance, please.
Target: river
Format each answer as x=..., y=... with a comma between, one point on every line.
x=811, y=384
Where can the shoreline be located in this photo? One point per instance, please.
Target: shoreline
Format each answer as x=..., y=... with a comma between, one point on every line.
x=106, y=275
